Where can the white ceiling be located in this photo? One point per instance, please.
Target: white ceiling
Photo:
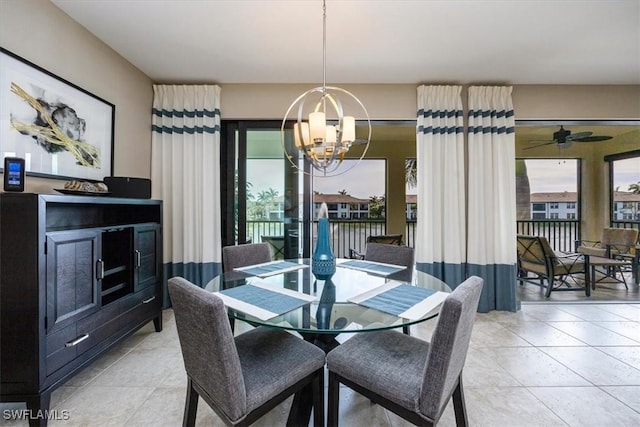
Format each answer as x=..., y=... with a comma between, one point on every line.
x=372, y=41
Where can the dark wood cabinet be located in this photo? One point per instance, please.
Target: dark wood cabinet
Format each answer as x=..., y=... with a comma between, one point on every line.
x=77, y=275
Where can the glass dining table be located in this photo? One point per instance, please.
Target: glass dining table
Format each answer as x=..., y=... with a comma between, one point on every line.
x=332, y=313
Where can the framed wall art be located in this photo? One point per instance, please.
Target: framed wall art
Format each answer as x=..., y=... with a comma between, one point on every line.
x=61, y=130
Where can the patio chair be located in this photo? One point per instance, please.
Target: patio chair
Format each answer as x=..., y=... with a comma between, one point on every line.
x=240, y=378
x=560, y=271
x=615, y=243
x=276, y=246
x=387, y=239
x=410, y=377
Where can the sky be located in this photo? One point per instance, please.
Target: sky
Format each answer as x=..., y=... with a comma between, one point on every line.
x=549, y=175
x=368, y=178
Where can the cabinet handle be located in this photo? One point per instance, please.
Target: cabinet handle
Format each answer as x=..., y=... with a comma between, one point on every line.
x=76, y=341
x=137, y=258
x=99, y=269
x=148, y=300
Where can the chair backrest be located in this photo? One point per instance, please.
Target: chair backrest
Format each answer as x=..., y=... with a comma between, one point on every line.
x=449, y=345
x=208, y=348
x=243, y=255
x=392, y=254
x=534, y=249
x=389, y=239
x=620, y=240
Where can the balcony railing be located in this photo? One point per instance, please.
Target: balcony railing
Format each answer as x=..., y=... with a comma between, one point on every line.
x=561, y=233
x=345, y=234
x=352, y=234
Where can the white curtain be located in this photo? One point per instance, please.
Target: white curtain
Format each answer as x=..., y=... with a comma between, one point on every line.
x=441, y=231
x=491, y=240
x=185, y=174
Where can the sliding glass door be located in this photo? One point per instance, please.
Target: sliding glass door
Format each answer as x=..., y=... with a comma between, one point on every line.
x=264, y=198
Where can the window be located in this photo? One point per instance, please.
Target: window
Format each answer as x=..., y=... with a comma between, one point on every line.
x=571, y=215
x=554, y=215
x=543, y=184
x=624, y=170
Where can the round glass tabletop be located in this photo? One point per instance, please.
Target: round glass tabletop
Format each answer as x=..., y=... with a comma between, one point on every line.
x=333, y=309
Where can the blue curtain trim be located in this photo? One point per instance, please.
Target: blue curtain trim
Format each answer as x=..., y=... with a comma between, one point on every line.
x=185, y=129
x=491, y=129
x=490, y=113
x=440, y=130
x=439, y=114
x=197, y=273
x=499, y=291
x=185, y=113
x=451, y=274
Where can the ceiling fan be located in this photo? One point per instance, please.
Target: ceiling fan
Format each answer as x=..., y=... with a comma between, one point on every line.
x=563, y=138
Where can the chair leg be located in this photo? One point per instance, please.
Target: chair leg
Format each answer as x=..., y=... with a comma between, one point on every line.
x=190, y=406
x=318, y=399
x=459, y=406
x=333, y=400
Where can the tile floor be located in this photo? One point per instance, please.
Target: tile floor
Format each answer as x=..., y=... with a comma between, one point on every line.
x=546, y=365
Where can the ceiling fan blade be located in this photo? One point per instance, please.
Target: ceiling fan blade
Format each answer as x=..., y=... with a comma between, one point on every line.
x=579, y=135
x=541, y=145
x=594, y=138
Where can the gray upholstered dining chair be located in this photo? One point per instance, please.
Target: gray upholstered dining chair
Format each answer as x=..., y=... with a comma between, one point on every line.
x=392, y=254
x=414, y=379
x=241, y=378
x=244, y=255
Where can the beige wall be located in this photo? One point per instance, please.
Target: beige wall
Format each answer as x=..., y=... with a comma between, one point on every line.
x=399, y=101
x=41, y=33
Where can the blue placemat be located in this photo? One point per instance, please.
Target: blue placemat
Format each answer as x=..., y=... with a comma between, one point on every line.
x=270, y=268
x=265, y=299
x=372, y=267
x=399, y=299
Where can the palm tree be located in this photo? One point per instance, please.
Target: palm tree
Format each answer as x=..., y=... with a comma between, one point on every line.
x=635, y=188
x=376, y=207
x=411, y=172
x=343, y=192
x=523, y=192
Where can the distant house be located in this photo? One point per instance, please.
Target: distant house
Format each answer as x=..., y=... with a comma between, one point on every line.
x=342, y=206
x=554, y=205
x=411, y=207
x=626, y=206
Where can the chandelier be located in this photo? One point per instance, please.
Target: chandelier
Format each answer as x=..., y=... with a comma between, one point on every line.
x=322, y=132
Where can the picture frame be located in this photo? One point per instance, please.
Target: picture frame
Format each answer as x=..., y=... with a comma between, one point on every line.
x=61, y=130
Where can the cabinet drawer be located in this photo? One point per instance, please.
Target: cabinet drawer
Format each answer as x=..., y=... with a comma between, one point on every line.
x=58, y=353
x=141, y=306
x=99, y=326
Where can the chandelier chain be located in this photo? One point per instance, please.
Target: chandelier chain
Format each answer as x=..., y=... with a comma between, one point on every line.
x=324, y=45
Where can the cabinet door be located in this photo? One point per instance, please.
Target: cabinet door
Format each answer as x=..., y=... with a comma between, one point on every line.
x=73, y=267
x=146, y=239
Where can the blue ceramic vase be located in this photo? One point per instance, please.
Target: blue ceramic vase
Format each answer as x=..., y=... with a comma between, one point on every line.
x=323, y=263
